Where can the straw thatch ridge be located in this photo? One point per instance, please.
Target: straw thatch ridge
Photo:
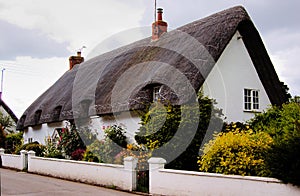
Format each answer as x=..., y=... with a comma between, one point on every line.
x=213, y=32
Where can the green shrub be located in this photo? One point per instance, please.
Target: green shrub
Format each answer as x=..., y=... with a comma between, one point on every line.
x=283, y=124
x=51, y=151
x=75, y=140
x=35, y=146
x=105, y=150
x=161, y=123
x=279, y=158
x=5, y=123
x=70, y=141
x=90, y=157
x=13, y=141
x=237, y=152
x=117, y=135
x=87, y=135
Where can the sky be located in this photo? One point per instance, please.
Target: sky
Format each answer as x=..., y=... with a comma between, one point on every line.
x=37, y=37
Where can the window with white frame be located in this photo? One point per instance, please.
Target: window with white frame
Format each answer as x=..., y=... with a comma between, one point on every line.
x=251, y=99
x=30, y=140
x=156, y=90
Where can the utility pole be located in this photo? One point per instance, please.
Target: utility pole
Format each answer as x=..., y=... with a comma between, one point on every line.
x=154, y=10
x=2, y=82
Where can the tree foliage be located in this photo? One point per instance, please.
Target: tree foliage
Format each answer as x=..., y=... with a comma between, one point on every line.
x=13, y=141
x=51, y=150
x=34, y=146
x=70, y=141
x=75, y=139
x=107, y=150
x=172, y=127
x=283, y=125
x=117, y=135
x=5, y=122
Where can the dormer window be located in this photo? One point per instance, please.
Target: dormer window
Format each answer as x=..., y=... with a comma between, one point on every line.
x=156, y=93
x=56, y=113
x=37, y=116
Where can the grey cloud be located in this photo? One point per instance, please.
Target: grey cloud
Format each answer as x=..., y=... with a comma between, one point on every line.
x=267, y=14
x=276, y=14
x=15, y=41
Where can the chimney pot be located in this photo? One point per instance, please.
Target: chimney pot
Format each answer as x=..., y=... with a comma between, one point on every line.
x=74, y=60
x=159, y=14
x=159, y=27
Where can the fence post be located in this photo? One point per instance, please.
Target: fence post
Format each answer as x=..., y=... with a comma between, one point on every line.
x=130, y=164
x=30, y=155
x=24, y=160
x=1, y=153
x=155, y=164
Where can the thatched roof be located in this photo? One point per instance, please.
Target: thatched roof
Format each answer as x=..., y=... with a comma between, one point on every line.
x=181, y=60
x=8, y=110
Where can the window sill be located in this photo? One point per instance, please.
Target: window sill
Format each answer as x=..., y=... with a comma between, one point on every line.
x=253, y=111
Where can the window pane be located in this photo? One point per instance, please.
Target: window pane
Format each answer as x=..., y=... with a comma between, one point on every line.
x=255, y=100
x=247, y=99
x=156, y=93
x=249, y=106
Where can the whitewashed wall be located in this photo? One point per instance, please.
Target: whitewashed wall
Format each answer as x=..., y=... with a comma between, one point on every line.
x=129, y=121
x=175, y=182
x=40, y=133
x=13, y=161
x=233, y=72
x=121, y=176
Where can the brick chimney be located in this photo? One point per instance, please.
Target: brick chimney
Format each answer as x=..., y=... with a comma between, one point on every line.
x=159, y=27
x=74, y=60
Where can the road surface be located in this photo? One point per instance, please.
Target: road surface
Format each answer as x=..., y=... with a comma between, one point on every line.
x=21, y=183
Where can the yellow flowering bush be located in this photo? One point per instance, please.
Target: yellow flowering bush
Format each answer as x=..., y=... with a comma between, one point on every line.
x=239, y=152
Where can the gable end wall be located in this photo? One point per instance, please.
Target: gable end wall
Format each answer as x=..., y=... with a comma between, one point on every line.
x=233, y=72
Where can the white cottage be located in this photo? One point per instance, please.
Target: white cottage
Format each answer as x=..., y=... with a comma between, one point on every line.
x=222, y=55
